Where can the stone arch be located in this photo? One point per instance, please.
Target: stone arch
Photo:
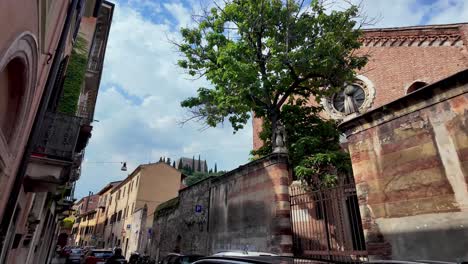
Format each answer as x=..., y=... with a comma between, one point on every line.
x=416, y=85
x=18, y=75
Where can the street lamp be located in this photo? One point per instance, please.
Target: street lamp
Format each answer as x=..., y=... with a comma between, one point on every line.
x=123, y=168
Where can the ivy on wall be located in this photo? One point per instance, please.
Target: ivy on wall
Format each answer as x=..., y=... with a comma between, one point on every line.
x=74, y=78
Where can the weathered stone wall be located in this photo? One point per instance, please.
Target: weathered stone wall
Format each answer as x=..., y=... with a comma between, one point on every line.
x=247, y=208
x=188, y=220
x=410, y=163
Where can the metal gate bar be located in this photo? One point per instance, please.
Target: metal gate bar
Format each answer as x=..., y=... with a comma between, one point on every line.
x=327, y=224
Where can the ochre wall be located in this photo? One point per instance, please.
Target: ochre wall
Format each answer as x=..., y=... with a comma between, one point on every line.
x=410, y=165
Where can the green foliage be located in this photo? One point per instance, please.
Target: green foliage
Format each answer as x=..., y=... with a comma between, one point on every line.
x=199, y=176
x=313, y=145
x=68, y=223
x=74, y=78
x=273, y=53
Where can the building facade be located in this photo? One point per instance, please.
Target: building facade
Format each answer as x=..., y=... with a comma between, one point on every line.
x=131, y=204
x=101, y=216
x=85, y=220
x=37, y=170
x=401, y=60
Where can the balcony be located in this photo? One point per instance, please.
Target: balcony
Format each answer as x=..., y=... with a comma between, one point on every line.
x=57, y=152
x=58, y=137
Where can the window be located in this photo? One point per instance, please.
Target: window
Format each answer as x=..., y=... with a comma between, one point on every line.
x=355, y=97
x=415, y=86
x=119, y=215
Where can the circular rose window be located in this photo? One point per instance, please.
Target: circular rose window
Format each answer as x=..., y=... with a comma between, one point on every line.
x=353, y=98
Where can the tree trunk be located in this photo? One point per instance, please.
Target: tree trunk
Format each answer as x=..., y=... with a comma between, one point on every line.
x=274, y=118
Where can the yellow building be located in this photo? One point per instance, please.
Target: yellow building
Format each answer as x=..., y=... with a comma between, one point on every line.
x=85, y=221
x=145, y=188
x=101, y=212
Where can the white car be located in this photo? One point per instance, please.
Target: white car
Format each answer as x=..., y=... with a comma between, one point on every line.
x=239, y=253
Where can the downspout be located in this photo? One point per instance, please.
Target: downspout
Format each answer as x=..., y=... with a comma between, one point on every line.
x=15, y=190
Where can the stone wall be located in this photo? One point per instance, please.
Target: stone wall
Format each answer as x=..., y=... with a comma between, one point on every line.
x=247, y=208
x=410, y=163
x=250, y=208
x=183, y=225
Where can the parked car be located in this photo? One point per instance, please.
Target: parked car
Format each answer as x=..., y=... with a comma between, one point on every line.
x=256, y=260
x=175, y=258
x=97, y=256
x=239, y=253
x=74, y=256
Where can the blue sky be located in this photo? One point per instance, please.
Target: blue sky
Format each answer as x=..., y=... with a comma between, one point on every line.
x=138, y=106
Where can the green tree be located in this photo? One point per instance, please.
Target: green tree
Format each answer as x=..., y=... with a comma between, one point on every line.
x=199, y=164
x=180, y=166
x=206, y=166
x=173, y=164
x=313, y=143
x=259, y=54
x=193, y=163
x=216, y=168
x=168, y=161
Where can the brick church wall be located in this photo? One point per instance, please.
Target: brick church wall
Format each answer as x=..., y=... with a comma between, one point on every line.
x=401, y=56
x=410, y=165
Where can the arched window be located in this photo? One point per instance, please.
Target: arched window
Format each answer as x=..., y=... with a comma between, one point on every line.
x=12, y=88
x=415, y=86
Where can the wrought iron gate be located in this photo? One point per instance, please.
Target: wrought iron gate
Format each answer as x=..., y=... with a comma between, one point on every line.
x=327, y=224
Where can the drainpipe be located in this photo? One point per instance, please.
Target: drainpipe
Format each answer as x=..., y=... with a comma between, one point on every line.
x=15, y=190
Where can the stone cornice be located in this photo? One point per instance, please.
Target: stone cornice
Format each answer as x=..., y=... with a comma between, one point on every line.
x=418, y=36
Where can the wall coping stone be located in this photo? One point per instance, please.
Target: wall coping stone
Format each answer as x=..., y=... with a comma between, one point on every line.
x=252, y=166
x=427, y=96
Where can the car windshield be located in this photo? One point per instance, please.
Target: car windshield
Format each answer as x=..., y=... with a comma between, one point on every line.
x=76, y=251
x=102, y=254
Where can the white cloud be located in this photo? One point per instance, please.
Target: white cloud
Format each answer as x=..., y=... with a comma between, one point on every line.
x=138, y=107
x=141, y=62
x=179, y=13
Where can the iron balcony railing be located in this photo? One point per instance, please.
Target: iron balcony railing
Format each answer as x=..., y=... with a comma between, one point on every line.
x=58, y=136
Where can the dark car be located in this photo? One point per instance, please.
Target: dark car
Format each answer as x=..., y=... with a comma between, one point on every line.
x=175, y=258
x=74, y=256
x=97, y=256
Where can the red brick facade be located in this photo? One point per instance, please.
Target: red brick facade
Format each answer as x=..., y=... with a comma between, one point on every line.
x=401, y=56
